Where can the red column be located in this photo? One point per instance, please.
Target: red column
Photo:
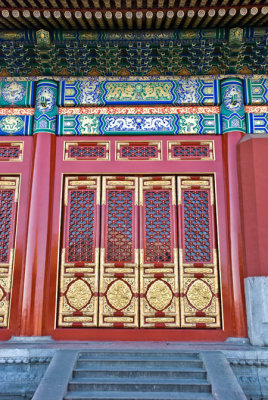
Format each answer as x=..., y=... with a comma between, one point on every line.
x=38, y=236
x=253, y=174
x=230, y=143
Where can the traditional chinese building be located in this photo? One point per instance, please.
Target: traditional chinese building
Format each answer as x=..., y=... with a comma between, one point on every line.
x=133, y=171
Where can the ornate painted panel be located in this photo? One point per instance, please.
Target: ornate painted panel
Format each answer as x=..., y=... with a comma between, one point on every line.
x=119, y=258
x=11, y=151
x=9, y=194
x=139, y=150
x=139, y=124
x=191, y=150
x=232, y=107
x=17, y=93
x=256, y=90
x=46, y=106
x=198, y=256
x=18, y=125
x=257, y=122
x=159, y=282
x=79, y=264
x=86, y=151
x=130, y=90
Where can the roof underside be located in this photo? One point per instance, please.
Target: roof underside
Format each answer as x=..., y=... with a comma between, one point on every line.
x=137, y=53
x=131, y=14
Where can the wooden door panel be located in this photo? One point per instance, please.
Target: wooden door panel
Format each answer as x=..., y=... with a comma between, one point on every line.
x=9, y=194
x=119, y=261
x=79, y=268
x=159, y=282
x=198, y=255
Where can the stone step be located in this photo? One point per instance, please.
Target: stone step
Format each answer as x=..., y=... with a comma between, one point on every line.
x=185, y=355
x=190, y=373
x=146, y=385
x=141, y=363
x=137, y=396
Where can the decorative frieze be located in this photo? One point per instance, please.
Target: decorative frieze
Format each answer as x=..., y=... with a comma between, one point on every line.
x=16, y=93
x=16, y=125
x=143, y=122
x=139, y=91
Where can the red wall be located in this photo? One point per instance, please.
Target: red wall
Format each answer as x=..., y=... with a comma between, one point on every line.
x=253, y=174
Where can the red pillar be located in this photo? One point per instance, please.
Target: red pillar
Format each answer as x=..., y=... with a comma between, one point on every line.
x=38, y=236
x=253, y=173
x=230, y=143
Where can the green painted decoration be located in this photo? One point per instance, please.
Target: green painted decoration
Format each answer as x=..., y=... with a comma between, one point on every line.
x=256, y=91
x=46, y=110
x=232, y=107
x=16, y=93
x=138, y=124
x=139, y=91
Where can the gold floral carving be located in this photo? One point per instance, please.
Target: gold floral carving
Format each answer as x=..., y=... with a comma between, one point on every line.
x=78, y=294
x=119, y=295
x=199, y=295
x=159, y=295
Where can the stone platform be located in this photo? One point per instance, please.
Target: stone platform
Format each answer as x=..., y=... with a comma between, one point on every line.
x=41, y=368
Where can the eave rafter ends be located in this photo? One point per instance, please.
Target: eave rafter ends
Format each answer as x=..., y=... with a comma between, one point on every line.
x=129, y=14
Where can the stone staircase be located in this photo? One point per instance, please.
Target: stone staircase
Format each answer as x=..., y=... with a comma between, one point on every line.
x=136, y=374
x=139, y=375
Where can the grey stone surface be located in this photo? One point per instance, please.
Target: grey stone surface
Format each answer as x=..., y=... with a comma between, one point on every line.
x=21, y=371
x=130, y=374
x=251, y=370
x=237, y=340
x=31, y=339
x=224, y=383
x=55, y=380
x=22, y=365
x=256, y=291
